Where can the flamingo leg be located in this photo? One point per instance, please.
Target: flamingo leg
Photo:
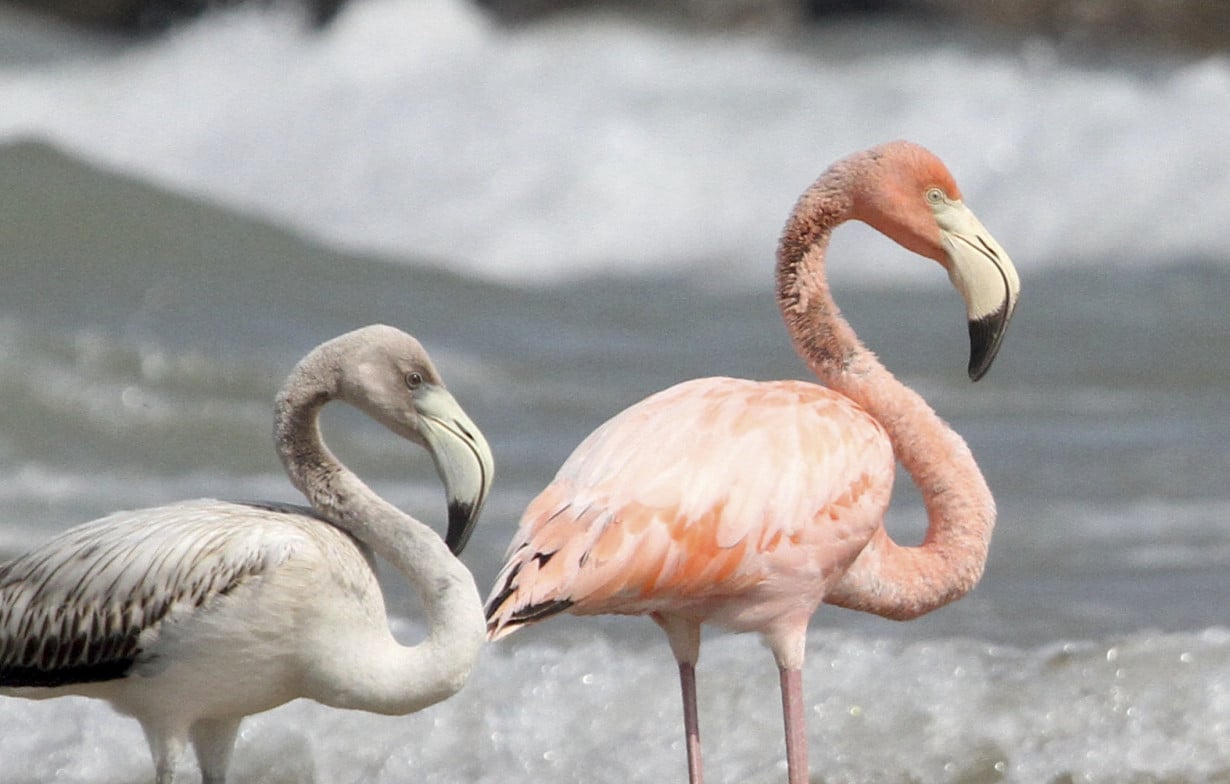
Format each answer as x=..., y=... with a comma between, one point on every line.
x=691, y=725
x=796, y=726
x=684, y=636
x=214, y=740
x=166, y=744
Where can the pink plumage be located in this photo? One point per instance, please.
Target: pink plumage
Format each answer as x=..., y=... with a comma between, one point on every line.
x=748, y=504
x=745, y=501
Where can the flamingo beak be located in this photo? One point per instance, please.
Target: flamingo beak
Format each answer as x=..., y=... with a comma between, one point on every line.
x=462, y=457
x=980, y=269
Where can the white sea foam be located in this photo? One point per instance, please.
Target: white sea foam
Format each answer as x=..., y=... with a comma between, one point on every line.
x=601, y=146
x=1139, y=708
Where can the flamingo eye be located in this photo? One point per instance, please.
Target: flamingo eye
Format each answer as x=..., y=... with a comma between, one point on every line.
x=414, y=380
x=935, y=196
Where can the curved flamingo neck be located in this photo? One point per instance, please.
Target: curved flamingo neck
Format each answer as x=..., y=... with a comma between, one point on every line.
x=887, y=579
x=332, y=489
x=398, y=679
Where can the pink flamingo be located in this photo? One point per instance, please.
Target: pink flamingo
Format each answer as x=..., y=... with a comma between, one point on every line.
x=748, y=504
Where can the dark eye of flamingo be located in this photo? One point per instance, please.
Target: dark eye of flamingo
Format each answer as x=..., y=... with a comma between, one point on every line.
x=414, y=379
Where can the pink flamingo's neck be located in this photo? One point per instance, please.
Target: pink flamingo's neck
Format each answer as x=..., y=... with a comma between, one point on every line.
x=887, y=579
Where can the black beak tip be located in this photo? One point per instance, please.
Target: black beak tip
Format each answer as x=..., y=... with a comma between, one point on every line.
x=978, y=368
x=461, y=519
x=985, y=336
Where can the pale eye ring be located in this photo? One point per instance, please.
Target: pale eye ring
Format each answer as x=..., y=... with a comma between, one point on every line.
x=935, y=196
x=414, y=379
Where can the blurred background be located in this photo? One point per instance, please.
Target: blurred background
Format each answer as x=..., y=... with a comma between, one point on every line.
x=574, y=205
x=1189, y=24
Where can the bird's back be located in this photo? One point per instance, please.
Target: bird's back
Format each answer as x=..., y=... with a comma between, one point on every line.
x=721, y=498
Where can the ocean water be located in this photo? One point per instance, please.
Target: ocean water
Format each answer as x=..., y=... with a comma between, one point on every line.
x=571, y=216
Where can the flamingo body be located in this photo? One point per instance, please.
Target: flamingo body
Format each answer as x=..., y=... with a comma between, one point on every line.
x=153, y=609
x=746, y=501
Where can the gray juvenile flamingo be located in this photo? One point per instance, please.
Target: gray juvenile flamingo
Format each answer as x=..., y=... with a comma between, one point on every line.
x=193, y=615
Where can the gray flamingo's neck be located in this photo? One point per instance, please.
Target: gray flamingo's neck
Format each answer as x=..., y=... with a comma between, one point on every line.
x=412, y=677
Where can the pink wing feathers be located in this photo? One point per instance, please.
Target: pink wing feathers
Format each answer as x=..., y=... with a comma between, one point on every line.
x=710, y=497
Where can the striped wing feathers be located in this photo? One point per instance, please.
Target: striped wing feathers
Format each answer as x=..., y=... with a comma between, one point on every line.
x=84, y=606
x=691, y=494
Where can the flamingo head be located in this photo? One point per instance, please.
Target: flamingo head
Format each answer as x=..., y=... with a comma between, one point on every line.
x=390, y=377
x=907, y=193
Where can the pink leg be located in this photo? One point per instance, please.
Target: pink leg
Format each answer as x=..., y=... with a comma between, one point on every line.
x=684, y=636
x=796, y=725
x=691, y=726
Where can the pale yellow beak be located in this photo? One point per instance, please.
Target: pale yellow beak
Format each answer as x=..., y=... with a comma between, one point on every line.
x=980, y=269
x=462, y=457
